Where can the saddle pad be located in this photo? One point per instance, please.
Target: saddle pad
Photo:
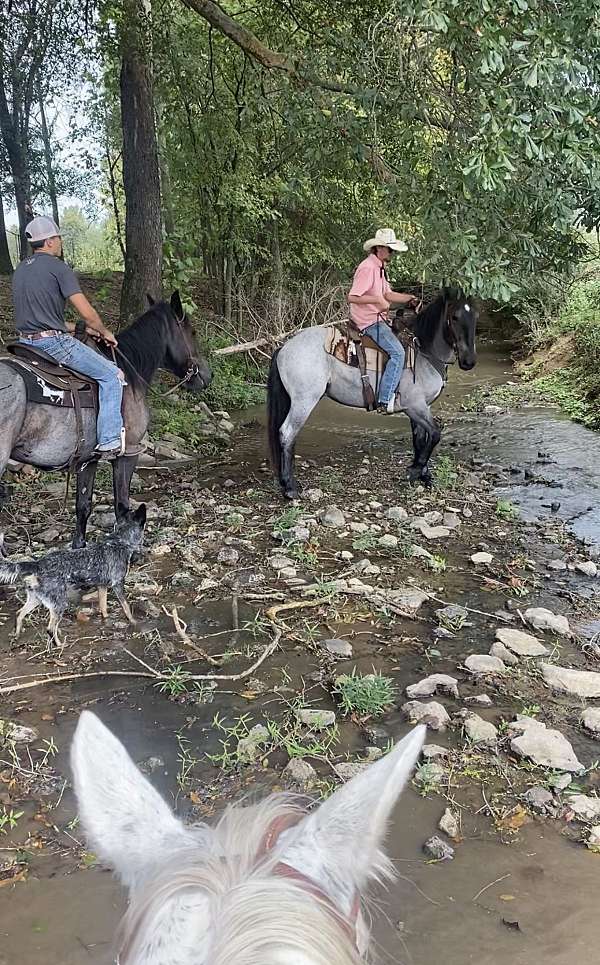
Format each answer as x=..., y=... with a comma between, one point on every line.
x=55, y=391
x=341, y=346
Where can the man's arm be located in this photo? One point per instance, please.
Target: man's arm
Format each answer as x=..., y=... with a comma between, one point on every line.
x=93, y=322
x=378, y=300
x=400, y=298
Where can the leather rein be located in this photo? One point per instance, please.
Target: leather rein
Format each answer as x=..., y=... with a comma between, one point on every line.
x=308, y=884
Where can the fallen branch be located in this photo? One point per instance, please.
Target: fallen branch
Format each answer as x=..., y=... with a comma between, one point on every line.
x=181, y=630
x=151, y=674
x=271, y=613
x=250, y=346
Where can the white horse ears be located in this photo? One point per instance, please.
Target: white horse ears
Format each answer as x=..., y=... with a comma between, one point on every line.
x=133, y=830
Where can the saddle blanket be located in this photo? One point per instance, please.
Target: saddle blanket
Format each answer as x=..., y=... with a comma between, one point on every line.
x=343, y=348
x=56, y=392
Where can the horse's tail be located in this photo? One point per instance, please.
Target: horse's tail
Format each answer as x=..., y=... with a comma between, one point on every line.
x=278, y=406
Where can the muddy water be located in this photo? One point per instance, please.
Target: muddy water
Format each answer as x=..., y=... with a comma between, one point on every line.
x=526, y=900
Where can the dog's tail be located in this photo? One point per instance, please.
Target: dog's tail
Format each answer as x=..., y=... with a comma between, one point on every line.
x=11, y=572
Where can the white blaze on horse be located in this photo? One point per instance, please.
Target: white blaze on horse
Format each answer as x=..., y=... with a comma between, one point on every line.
x=303, y=372
x=270, y=885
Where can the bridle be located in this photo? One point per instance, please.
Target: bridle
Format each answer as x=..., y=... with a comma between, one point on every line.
x=309, y=885
x=193, y=367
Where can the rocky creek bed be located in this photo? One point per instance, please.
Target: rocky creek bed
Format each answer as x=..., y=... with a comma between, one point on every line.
x=287, y=646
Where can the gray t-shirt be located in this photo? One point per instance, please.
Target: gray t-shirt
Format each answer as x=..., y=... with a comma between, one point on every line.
x=41, y=285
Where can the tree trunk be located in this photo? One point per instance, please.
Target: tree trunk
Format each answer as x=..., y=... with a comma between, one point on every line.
x=14, y=135
x=48, y=157
x=5, y=260
x=141, y=177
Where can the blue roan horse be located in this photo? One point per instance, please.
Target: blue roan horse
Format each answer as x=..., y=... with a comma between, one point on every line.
x=302, y=372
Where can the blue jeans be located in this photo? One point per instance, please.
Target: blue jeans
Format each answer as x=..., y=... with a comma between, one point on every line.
x=381, y=333
x=75, y=355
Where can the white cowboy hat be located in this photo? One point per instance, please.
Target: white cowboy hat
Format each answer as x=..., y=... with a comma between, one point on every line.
x=385, y=237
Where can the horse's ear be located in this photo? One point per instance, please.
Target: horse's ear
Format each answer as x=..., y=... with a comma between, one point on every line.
x=151, y=300
x=127, y=822
x=338, y=845
x=176, y=304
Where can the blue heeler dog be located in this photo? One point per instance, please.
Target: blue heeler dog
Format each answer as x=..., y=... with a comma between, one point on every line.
x=102, y=565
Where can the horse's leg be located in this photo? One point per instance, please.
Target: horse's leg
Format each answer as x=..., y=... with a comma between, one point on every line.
x=426, y=435
x=83, y=501
x=297, y=416
x=123, y=469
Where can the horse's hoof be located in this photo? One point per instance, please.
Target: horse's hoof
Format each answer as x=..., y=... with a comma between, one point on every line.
x=78, y=544
x=291, y=493
x=427, y=480
x=414, y=475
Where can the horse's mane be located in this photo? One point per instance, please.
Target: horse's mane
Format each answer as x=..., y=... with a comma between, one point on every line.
x=143, y=345
x=426, y=323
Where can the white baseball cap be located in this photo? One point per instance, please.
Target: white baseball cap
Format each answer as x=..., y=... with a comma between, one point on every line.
x=40, y=229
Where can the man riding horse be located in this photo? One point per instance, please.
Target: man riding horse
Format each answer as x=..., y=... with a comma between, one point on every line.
x=370, y=298
x=41, y=286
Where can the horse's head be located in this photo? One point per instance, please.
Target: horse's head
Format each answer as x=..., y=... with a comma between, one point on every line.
x=270, y=883
x=183, y=357
x=462, y=318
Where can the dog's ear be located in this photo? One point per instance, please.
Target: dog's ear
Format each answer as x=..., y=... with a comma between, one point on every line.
x=140, y=514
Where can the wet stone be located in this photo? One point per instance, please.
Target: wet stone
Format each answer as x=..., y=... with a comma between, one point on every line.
x=438, y=850
x=580, y=683
x=482, y=700
x=432, y=752
x=432, y=684
x=430, y=773
x=151, y=764
x=557, y=565
x=498, y=649
x=542, y=619
x=248, y=748
x=591, y=720
x=433, y=714
x=299, y=774
x=540, y=800
x=523, y=644
x=346, y=770
x=584, y=806
x=543, y=746
x=588, y=568
x=316, y=719
x=337, y=648
x=483, y=663
x=449, y=824
x=377, y=735
x=396, y=513
x=480, y=731
x=333, y=517
x=452, y=613
x=17, y=733
x=389, y=541
x=481, y=558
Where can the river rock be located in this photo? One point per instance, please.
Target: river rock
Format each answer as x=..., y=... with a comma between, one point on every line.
x=337, y=648
x=540, y=800
x=346, y=770
x=377, y=735
x=333, y=517
x=358, y=527
x=298, y=774
x=480, y=731
x=523, y=644
x=397, y=513
x=228, y=556
x=588, y=568
x=548, y=748
x=449, y=824
x=498, y=649
x=451, y=521
x=316, y=719
x=481, y=558
x=482, y=700
x=558, y=565
x=432, y=752
x=280, y=562
x=432, y=684
x=314, y=495
x=482, y=663
x=433, y=714
x=438, y=850
x=419, y=552
x=389, y=541
x=434, y=532
x=367, y=568
x=408, y=598
x=584, y=807
x=248, y=748
x=17, y=733
x=580, y=683
x=593, y=840
x=453, y=613
x=591, y=719
x=542, y=619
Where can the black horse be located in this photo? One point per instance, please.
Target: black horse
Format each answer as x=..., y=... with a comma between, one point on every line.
x=46, y=436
